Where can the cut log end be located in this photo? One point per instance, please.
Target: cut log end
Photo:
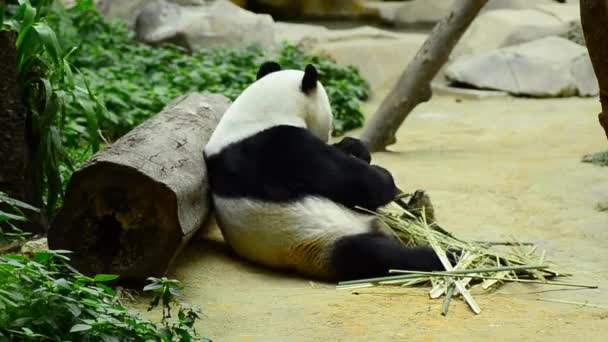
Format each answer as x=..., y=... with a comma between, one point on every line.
x=132, y=207
x=118, y=228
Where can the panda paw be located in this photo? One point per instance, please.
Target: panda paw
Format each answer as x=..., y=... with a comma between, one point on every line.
x=355, y=148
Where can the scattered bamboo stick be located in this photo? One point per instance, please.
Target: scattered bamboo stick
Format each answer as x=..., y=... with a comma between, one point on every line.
x=487, y=264
x=448, y=299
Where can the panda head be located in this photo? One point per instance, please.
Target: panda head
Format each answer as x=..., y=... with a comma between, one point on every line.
x=277, y=97
x=297, y=94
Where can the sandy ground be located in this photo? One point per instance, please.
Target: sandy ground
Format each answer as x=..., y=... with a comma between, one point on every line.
x=494, y=168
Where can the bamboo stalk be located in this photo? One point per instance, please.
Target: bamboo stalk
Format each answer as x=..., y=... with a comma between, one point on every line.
x=475, y=270
x=401, y=278
x=448, y=299
x=448, y=266
x=431, y=274
x=408, y=274
x=504, y=243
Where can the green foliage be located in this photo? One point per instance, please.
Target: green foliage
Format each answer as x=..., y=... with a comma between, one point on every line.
x=48, y=82
x=135, y=81
x=107, y=82
x=40, y=299
x=10, y=214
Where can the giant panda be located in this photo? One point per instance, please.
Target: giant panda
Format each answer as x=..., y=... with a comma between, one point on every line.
x=286, y=199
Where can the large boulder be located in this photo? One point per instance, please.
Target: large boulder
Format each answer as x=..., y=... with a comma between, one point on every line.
x=127, y=10
x=381, y=56
x=504, y=27
x=428, y=12
x=208, y=24
x=307, y=8
x=551, y=66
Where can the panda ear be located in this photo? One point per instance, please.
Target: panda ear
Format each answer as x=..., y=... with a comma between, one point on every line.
x=309, y=82
x=267, y=68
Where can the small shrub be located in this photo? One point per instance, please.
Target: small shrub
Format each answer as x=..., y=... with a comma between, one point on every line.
x=41, y=299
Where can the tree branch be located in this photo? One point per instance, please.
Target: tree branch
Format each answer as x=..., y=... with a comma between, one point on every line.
x=414, y=85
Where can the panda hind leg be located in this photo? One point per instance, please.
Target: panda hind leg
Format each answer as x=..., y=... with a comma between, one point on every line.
x=370, y=255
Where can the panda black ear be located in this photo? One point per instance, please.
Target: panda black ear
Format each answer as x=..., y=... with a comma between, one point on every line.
x=267, y=68
x=309, y=82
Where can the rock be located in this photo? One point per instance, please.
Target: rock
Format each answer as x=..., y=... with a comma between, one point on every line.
x=215, y=23
x=464, y=93
x=380, y=55
x=380, y=61
x=297, y=33
x=428, y=12
x=504, y=27
x=551, y=66
x=309, y=8
x=127, y=10
x=517, y=4
x=33, y=246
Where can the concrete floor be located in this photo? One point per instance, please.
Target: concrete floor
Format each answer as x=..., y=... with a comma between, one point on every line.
x=494, y=168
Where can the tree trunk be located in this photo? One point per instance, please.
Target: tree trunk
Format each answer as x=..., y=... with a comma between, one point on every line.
x=594, y=18
x=16, y=176
x=414, y=86
x=131, y=208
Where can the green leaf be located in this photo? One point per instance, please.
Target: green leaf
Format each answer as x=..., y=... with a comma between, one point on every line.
x=4, y=217
x=152, y=287
x=16, y=203
x=49, y=41
x=105, y=277
x=80, y=327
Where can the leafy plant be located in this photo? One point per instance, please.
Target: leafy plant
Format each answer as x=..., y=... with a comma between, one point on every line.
x=166, y=292
x=47, y=80
x=41, y=299
x=107, y=82
x=134, y=80
x=10, y=213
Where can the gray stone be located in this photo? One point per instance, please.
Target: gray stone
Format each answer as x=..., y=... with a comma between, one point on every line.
x=380, y=55
x=215, y=23
x=428, y=12
x=503, y=27
x=127, y=10
x=551, y=66
x=465, y=93
x=33, y=246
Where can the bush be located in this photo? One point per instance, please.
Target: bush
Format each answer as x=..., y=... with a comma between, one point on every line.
x=41, y=299
x=89, y=80
x=134, y=80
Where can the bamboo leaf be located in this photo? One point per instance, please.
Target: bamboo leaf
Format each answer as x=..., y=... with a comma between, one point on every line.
x=80, y=327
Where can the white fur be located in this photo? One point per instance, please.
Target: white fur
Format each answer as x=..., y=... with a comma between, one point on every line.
x=273, y=234
x=275, y=99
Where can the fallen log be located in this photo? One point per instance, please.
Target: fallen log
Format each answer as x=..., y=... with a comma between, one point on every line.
x=132, y=207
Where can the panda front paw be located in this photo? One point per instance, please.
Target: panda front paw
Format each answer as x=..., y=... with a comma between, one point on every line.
x=355, y=148
x=387, y=189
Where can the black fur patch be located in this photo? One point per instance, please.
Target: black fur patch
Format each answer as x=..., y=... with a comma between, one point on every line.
x=267, y=68
x=355, y=148
x=309, y=81
x=373, y=254
x=287, y=163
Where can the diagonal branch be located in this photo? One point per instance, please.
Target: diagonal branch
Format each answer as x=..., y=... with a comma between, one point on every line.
x=414, y=86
